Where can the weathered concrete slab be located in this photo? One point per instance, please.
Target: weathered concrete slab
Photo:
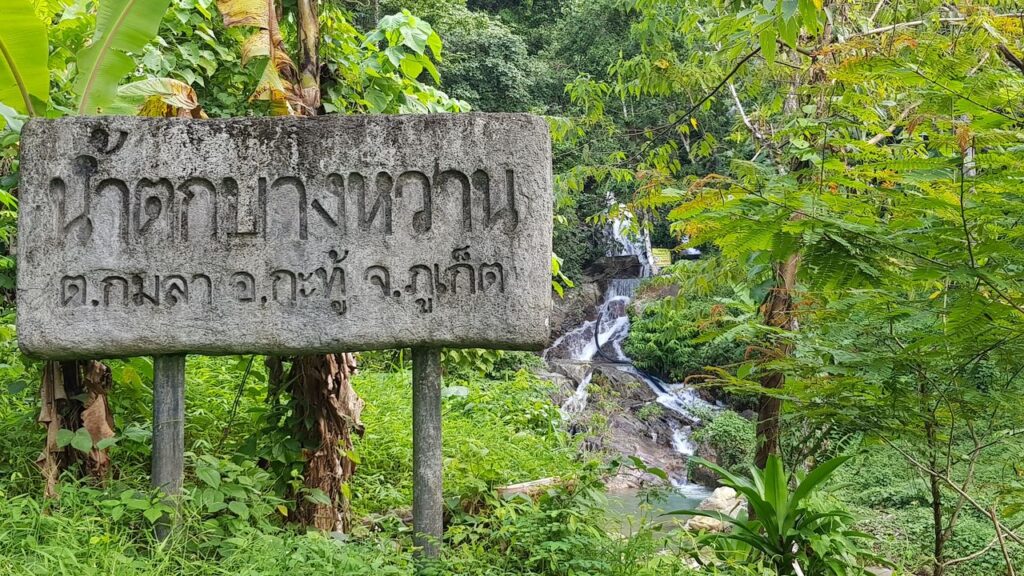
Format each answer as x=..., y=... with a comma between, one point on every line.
x=152, y=236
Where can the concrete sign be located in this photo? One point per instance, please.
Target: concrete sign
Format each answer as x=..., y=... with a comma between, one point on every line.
x=142, y=236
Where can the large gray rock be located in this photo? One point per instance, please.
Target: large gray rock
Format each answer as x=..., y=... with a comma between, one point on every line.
x=723, y=500
x=284, y=235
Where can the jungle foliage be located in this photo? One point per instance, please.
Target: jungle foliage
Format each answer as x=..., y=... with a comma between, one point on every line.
x=852, y=170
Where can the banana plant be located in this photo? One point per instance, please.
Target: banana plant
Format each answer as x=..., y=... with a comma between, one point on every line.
x=787, y=532
x=24, y=77
x=123, y=27
x=279, y=83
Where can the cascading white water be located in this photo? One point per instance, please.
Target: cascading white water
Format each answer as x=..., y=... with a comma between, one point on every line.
x=599, y=341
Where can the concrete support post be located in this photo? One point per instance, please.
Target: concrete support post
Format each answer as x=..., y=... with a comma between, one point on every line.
x=168, y=431
x=427, y=497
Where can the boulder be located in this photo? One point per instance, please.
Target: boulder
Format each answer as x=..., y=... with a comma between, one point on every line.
x=564, y=386
x=701, y=474
x=724, y=500
x=615, y=267
x=574, y=307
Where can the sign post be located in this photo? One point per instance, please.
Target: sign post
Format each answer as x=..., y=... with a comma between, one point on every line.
x=168, y=469
x=427, y=495
x=164, y=237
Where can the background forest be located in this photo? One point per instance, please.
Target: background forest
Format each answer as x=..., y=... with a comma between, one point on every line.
x=851, y=172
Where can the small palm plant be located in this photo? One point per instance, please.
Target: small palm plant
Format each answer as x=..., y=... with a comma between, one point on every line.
x=789, y=532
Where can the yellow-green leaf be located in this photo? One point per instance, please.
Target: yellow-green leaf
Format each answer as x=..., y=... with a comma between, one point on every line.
x=23, y=57
x=122, y=27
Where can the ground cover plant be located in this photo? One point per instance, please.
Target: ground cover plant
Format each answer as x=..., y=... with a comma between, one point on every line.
x=850, y=171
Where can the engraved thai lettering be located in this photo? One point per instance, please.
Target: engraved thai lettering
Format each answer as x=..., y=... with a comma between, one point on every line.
x=336, y=281
x=422, y=219
x=112, y=283
x=118, y=187
x=285, y=214
x=243, y=287
x=380, y=277
x=492, y=275
x=334, y=287
x=426, y=305
x=139, y=295
x=149, y=202
x=442, y=180
x=461, y=254
x=439, y=286
x=415, y=284
x=101, y=141
x=83, y=168
x=383, y=184
x=243, y=217
x=335, y=186
x=73, y=290
x=462, y=270
x=188, y=226
x=290, y=291
x=494, y=210
x=175, y=289
x=306, y=289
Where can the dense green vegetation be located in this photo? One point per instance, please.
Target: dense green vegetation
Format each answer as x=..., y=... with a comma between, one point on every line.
x=851, y=171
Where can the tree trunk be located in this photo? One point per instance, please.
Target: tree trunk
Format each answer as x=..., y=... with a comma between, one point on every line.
x=326, y=407
x=777, y=312
x=309, y=59
x=74, y=396
x=327, y=411
x=935, y=483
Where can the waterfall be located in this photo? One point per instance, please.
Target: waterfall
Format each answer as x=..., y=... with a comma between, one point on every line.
x=599, y=342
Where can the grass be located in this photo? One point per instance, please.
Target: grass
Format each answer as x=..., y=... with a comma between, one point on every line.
x=497, y=430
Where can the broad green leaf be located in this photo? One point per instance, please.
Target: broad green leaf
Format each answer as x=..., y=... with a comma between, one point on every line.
x=82, y=441
x=122, y=27
x=64, y=437
x=239, y=508
x=317, y=496
x=209, y=476
x=106, y=443
x=768, y=46
x=173, y=92
x=153, y=514
x=789, y=8
x=23, y=57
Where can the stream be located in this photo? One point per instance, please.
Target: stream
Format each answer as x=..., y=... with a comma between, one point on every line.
x=597, y=344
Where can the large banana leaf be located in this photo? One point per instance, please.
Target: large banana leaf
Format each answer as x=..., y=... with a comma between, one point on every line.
x=163, y=98
x=122, y=27
x=23, y=55
x=279, y=75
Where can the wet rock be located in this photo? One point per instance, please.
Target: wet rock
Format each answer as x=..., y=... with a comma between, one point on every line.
x=615, y=267
x=723, y=500
x=701, y=474
x=638, y=426
x=564, y=386
x=576, y=306
x=576, y=372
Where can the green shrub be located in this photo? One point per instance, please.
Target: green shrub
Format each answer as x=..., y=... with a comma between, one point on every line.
x=793, y=526
x=732, y=439
x=661, y=338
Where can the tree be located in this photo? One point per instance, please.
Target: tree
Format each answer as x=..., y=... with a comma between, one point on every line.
x=322, y=409
x=877, y=213
x=74, y=408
